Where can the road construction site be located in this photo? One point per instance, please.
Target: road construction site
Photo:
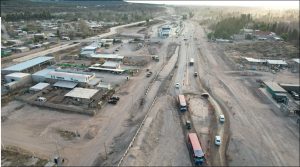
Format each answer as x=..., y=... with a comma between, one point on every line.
x=147, y=128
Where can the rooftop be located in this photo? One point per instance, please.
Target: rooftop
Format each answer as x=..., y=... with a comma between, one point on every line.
x=27, y=64
x=279, y=62
x=39, y=86
x=69, y=74
x=82, y=93
x=274, y=86
x=110, y=64
x=250, y=59
x=18, y=75
x=44, y=72
x=107, y=56
x=65, y=84
x=296, y=60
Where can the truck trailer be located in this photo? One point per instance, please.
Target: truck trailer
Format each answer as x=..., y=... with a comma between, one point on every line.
x=182, y=103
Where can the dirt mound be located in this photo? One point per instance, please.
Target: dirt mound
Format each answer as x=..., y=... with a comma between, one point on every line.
x=92, y=132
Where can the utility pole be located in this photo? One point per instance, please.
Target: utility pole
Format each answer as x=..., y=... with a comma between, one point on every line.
x=105, y=151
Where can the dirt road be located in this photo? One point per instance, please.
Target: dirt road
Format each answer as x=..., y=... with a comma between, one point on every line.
x=260, y=135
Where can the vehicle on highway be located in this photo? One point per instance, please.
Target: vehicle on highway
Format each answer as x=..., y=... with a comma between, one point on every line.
x=188, y=124
x=222, y=118
x=177, y=85
x=191, y=61
x=218, y=140
x=195, y=148
x=182, y=103
x=195, y=74
x=149, y=74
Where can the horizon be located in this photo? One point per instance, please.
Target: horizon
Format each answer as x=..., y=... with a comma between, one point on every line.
x=264, y=4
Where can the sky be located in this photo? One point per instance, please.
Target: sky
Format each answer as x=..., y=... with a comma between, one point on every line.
x=269, y=4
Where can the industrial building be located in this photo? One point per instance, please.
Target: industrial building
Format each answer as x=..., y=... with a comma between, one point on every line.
x=17, y=76
x=109, y=57
x=82, y=94
x=17, y=80
x=90, y=49
x=277, y=92
x=41, y=75
x=30, y=65
x=278, y=63
x=70, y=76
x=108, y=66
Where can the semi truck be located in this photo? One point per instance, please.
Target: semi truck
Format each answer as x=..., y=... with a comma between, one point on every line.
x=182, y=103
x=195, y=148
x=191, y=61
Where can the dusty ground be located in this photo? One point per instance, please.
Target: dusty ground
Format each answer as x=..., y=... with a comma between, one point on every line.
x=39, y=129
x=14, y=156
x=260, y=134
x=161, y=142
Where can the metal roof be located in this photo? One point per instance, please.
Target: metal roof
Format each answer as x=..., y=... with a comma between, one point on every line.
x=250, y=59
x=18, y=75
x=39, y=86
x=68, y=74
x=65, y=84
x=296, y=60
x=275, y=87
x=82, y=93
x=44, y=72
x=110, y=64
x=279, y=62
x=106, y=69
x=27, y=64
x=107, y=56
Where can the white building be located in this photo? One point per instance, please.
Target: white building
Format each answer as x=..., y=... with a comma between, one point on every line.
x=70, y=76
x=17, y=76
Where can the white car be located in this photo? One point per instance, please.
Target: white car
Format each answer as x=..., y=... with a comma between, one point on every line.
x=222, y=118
x=177, y=85
x=218, y=140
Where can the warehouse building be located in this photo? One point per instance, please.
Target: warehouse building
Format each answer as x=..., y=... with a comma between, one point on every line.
x=30, y=65
x=277, y=92
x=17, y=76
x=70, y=76
x=17, y=80
x=83, y=95
x=109, y=57
x=277, y=63
x=90, y=49
x=111, y=66
x=41, y=76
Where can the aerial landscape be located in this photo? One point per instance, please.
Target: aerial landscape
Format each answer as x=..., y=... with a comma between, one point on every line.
x=149, y=83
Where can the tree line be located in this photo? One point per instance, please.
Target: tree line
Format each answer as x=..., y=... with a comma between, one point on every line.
x=232, y=25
